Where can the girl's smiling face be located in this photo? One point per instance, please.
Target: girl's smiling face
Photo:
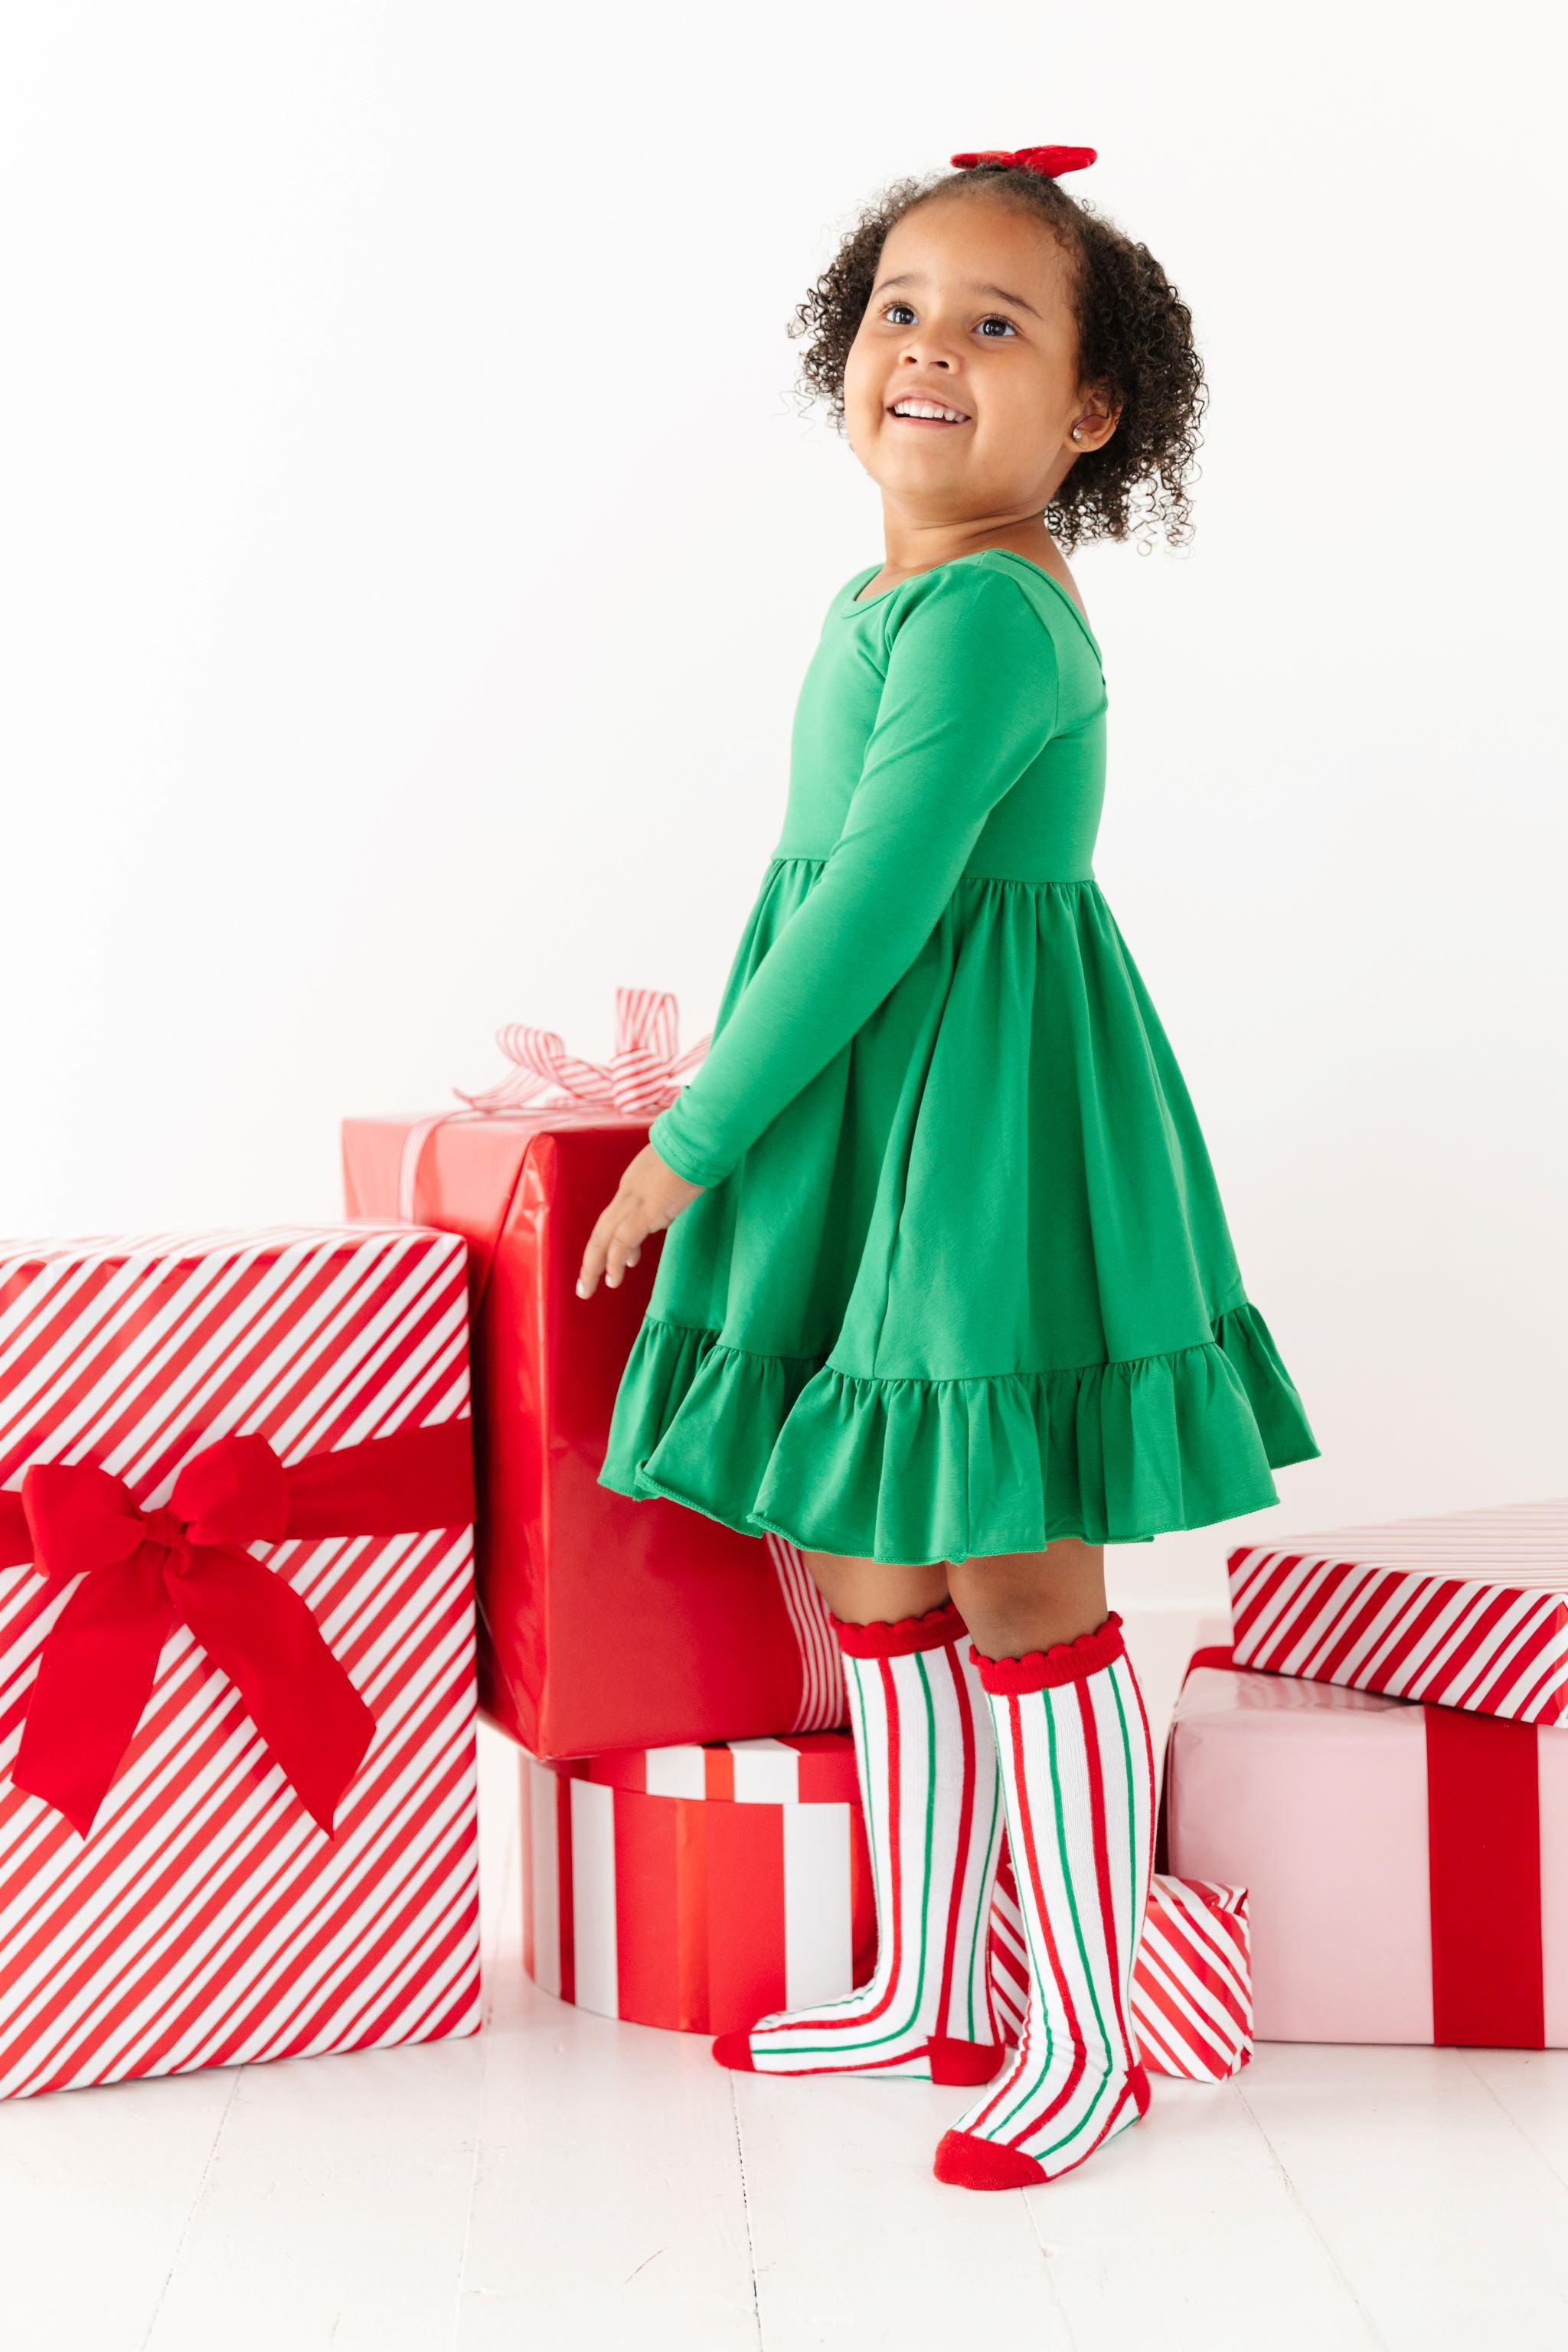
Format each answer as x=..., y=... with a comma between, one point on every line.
x=971, y=315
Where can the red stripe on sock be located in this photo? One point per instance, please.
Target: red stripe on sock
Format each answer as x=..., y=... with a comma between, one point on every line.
x=966, y=1823
x=862, y=1903
x=1100, y=1833
x=1041, y=1921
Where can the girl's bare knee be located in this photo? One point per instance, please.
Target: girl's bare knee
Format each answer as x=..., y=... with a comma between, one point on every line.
x=876, y=1592
x=1016, y=1602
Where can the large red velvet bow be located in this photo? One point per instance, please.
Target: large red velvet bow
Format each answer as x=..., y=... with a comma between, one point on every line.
x=139, y=1568
x=1050, y=161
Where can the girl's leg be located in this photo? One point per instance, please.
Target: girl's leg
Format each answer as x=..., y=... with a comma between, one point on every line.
x=932, y=1793
x=873, y=1591
x=1017, y=1602
x=1078, y=1775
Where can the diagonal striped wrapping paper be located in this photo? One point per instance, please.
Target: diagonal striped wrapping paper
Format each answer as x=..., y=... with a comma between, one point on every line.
x=700, y=1887
x=207, y=1920
x=1467, y=1609
x=1192, y=1991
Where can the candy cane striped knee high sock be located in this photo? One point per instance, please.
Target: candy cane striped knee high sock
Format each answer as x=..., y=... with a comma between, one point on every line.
x=931, y=1788
x=1078, y=1774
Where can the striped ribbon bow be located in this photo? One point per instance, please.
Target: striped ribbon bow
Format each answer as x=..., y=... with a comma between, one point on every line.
x=638, y=1079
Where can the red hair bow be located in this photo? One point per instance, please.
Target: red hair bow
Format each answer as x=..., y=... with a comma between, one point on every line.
x=1049, y=161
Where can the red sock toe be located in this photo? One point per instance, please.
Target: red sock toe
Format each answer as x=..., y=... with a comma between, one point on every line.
x=968, y=2162
x=735, y=2050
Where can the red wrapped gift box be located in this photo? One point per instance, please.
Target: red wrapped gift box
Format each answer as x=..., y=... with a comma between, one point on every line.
x=605, y=1623
x=1466, y=1608
x=237, y=1700
x=1406, y=1865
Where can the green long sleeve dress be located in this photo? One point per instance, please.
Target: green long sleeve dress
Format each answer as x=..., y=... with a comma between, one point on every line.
x=960, y=1281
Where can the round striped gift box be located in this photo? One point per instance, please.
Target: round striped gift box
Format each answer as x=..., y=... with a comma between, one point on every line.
x=700, y=1887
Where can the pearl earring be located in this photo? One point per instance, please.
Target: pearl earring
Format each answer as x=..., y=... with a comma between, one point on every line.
x=1078, y=433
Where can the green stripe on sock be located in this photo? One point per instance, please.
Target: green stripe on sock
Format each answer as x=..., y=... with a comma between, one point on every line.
x=1134, y=1839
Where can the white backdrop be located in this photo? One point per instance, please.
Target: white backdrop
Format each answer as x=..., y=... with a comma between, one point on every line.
x=412, y=548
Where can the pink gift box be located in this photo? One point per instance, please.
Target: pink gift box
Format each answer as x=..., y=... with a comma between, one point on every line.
x=1466, y=1608
x=1406, y=1865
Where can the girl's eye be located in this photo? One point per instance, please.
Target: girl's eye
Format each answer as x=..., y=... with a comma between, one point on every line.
x=900, y=314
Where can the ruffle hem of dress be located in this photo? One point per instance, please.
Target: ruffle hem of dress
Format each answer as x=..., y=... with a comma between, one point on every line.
x=884, y=1469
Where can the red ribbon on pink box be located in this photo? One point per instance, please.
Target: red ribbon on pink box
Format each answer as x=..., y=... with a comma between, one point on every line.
x=1406, y=1863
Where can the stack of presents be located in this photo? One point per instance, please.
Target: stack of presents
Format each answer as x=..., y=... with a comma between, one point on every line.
x=246, y=1629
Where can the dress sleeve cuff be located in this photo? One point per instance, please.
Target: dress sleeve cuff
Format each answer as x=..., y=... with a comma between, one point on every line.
x=674, y=1154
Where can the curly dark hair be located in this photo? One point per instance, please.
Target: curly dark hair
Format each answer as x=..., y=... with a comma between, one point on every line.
x=1135, y=344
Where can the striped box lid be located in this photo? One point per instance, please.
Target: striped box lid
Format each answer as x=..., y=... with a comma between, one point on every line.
x=1465, y=1608
x=807, y=1767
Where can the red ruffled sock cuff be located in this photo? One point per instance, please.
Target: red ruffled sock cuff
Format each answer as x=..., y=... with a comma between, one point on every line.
x=1063, y=1661
x=935, y=1631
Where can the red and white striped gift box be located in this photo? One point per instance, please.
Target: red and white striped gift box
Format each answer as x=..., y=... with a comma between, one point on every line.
x=205, y=1917
x=1191, y=1982
x=1466, y=1608
x=698, y=1887
x=1192, y=1988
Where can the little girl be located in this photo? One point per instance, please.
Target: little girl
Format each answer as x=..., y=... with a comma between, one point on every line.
x=952, y=1302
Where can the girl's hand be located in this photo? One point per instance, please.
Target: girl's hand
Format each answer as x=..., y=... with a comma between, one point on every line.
x=651, y=1198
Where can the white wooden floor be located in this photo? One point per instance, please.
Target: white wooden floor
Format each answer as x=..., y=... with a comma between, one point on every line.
x=558, y=2182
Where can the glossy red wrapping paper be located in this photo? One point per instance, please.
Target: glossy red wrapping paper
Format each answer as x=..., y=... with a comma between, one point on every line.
x=604, y=1622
